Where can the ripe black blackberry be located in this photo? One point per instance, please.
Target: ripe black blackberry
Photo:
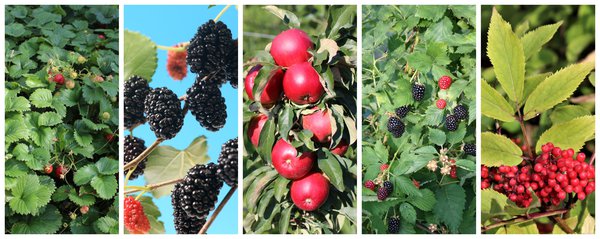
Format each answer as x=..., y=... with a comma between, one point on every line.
x=461, y=112
x=451, y=122
x=163, y=111
x=470, y=149
x=382, y=193
x=184, y=224
x=418, y=91
x=231, y=66
x=136, y=90
x=134, y=146
x=228, y=162
x=207, y=105
x=395, y=126
x=393, y=225
x=402, y=111
x=209, y=52
x=200, y=189
x=389, y=187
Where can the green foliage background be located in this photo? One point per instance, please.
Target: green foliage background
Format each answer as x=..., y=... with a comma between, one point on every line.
x=47, y=123
x=432, y=41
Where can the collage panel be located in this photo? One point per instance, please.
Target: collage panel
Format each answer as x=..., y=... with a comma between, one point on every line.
x=419, y=117
x=538, y=122
x=299, y=114
x=61, y=119
x=181, y=111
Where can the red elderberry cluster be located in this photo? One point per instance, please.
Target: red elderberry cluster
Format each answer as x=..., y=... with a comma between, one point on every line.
x=553, y=176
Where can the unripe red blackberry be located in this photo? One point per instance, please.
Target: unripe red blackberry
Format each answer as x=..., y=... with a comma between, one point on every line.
x=370, y=184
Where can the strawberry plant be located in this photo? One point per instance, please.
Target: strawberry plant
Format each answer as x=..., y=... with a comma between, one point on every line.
x=537, y=173
x=418, y=156
x=156, y=114
x=300, y=121
x=61, y=87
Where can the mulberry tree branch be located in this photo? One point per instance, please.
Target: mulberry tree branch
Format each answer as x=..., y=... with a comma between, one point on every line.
x=143, y=155
x=217, y=211
x=150, y=187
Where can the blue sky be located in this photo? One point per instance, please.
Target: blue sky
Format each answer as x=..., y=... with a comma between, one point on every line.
x=167, y=26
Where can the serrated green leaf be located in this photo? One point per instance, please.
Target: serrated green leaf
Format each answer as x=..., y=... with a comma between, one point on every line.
x=166, y=163
x=85, y=174
x=82, y=199
x=532, y=82
x=140, y=55
x=107, y=166
x=49, y=119
x=498, y=150
x=534, y=40
x=556, y=88
x=28, y=195
x=14, y=103
x=15, y=129
x=505, y=51
x=107, y=225
x=492, y=204
x=493, y=105
x=425, y=202
x=41, y=98
x=61, y=193
x=105, y=185
x=408, y=213
x=571, y=134
x=48, y=222
x=437, y=136
x=450, y=205
x=406, y=186
x=565, y=113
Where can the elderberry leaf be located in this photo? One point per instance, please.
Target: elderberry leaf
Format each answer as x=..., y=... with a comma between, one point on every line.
x=493, y=105
x=534, y=40
x=571, y=134
x=498, y=150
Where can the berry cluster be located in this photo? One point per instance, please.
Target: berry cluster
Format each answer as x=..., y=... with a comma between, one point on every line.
x=212, y=51
x=207, y=104
x=134, y=218
x=395, y=126
x=134, y=146
x=418, y=91
x=228, y=162
x=184, y=224
x=553, y=176
x=136, y=90
x=470, y=149
x=394, y=225
x=385, y=187
x=164, y=113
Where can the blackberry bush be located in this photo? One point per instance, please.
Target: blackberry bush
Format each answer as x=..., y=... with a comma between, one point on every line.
x=210, y=52
x=134, y=146
x=228, y=162
x=136, y=90
x=163, y=110
x=207, y=105
x=426, y=171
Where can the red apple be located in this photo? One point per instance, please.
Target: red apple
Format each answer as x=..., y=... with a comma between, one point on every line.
x=310, y=192
x=288, y=164
x=291, y=47
x=341, y=148
x=319, y=123
x=272, y=91
x=302, y=84
x=256, y=125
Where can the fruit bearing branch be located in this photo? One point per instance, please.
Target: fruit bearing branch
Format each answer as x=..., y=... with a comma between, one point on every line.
x=143, y=155
x=154, y=186
x=217, y=211
x=524, y=218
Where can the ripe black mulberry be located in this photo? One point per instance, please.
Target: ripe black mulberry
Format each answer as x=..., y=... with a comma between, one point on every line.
x=134, y=146
x=200, y=190
x=209, y=52
x=207, y=105
x=136, y=90
x=164, y=114
x=228, y=162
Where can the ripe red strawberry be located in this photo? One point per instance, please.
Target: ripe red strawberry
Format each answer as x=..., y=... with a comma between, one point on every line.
x=383, y=167
x=84, y=209
x=61, y=171
x=48, y=168
x=441, y=104
x=176, y=65
x=135, y=219
x=370, y=184
x=109, y=137
x=444, y=82
x=59, y=79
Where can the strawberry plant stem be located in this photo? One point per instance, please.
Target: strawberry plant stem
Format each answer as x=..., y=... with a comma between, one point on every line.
x=217, y=211
x=523, y=218
x=153, y=186
x=143, y=155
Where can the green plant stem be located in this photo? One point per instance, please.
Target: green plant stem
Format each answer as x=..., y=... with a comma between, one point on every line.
x=525, y=135
x=151, y=187
x=221, y=13
x=143, y=155
x=523, y=218
x=217, y=211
